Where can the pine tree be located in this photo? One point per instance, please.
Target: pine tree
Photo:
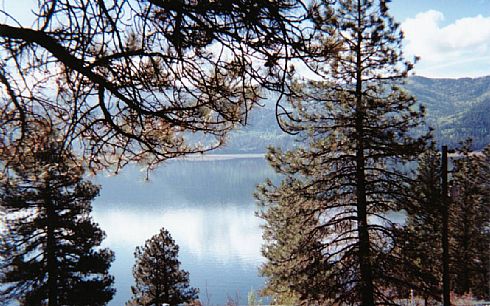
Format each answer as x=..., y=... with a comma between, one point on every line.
x=420, y=239
x=50, y=247
x=470, y=223
x=157, y=274
x=292, y=245
x=358, y=126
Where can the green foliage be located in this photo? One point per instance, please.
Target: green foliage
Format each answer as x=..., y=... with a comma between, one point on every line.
x=157, y=274
x=295, y=265
x=327, y=236
x=456, y=108
x=253, y=299
x=420, y=239
x=50, y=247
x=470, y=223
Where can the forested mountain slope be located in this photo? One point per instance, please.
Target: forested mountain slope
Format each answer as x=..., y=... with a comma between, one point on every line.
x=456, y=109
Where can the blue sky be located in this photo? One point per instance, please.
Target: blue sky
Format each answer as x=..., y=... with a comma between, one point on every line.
x=452, y=9
x=452, y=37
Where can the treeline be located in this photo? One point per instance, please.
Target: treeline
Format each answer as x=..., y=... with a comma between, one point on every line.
x=457, y=109
x=468, y=213
x=311, y=245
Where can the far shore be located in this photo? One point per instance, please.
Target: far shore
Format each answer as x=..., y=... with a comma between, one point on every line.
x=211, y=157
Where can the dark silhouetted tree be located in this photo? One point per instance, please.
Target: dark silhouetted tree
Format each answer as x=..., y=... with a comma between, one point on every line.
x=470, y=223
x=157, y=274
x=50, y=245
x=420, y=239
x=327, y=236
x=143, y=80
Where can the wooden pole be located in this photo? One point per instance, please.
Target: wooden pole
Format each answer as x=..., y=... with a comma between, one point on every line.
x=445, y=239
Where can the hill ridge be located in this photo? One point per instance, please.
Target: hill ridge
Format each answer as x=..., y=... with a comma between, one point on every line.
x=456, y=108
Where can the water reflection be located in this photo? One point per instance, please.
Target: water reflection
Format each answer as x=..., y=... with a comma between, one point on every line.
x=225, y=234
x=207, y=207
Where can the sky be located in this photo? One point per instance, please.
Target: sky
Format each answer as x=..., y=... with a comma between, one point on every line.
x=452, y=37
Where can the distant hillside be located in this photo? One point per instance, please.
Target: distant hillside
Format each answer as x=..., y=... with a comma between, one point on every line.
x=456, y=109
x=260, y=132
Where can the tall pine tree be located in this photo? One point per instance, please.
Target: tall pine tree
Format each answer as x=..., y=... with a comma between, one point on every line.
x=50, y=246
x=358, y=128
x=420, y=239
x=470, y=223
x=157, y=274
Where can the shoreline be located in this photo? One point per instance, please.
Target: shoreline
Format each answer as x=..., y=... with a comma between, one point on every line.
x=213, y=157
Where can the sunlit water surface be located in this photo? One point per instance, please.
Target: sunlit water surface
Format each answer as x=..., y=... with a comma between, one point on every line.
x=207, y=206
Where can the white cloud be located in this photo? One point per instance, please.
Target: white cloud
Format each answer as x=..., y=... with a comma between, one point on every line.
x=459, y=49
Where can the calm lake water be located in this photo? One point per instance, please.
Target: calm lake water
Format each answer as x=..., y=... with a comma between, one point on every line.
x=207, y=206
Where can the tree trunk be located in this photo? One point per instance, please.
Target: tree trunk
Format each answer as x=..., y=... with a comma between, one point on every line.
x=367, y=289
x=51, y=264
x=465, y=277
x=366, y=281
x=445, y=240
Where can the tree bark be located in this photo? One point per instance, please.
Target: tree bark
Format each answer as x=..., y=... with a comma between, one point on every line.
x=51, y=264
x=445, y=240
x=366, y=281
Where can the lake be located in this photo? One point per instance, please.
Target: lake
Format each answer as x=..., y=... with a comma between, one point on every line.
x=208, y=208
